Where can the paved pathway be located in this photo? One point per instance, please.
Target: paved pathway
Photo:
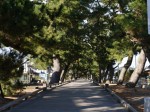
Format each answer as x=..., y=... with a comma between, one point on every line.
x=78, y=96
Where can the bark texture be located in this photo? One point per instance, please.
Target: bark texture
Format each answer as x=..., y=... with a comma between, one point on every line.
x=100, y=76
x=1, y=91
x=65, y=72
x=110, y=72
x=124, y=70
x=138, y=70
x=56, y=70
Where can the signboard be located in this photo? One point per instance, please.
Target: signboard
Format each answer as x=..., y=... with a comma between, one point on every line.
x=148, y=15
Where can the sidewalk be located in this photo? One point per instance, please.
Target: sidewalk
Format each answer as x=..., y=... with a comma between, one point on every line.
x=78, y=96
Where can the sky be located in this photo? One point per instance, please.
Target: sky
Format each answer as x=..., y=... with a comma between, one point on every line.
x=134, y=62
x=5, y=49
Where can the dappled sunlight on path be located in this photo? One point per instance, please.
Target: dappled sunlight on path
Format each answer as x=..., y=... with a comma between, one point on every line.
x=78, y=96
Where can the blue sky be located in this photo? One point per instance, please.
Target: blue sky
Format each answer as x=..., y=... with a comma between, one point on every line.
x=134, y=62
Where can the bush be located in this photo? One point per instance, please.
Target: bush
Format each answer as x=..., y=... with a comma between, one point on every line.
x=11, y=87
x=18, y=86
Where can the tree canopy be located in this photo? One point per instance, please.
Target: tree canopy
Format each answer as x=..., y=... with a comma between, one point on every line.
x=92, y=33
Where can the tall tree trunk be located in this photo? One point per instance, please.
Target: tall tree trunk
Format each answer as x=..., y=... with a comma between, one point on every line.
x=56, y=69
x=1, y=91
x=124, y=70
x=100, y=75
x=65, y=72
x=148, y=54
x=106, y=74
x=72, y=76
x=110, y=72
x=138, y=70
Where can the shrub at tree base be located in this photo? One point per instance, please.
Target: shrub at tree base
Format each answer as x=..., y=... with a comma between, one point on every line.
x=130, y=85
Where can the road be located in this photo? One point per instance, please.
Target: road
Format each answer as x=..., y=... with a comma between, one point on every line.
x=79, y=96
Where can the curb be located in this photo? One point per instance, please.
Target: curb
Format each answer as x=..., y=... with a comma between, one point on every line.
x=28, y=96
x=122, y=101
x=118, y=98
